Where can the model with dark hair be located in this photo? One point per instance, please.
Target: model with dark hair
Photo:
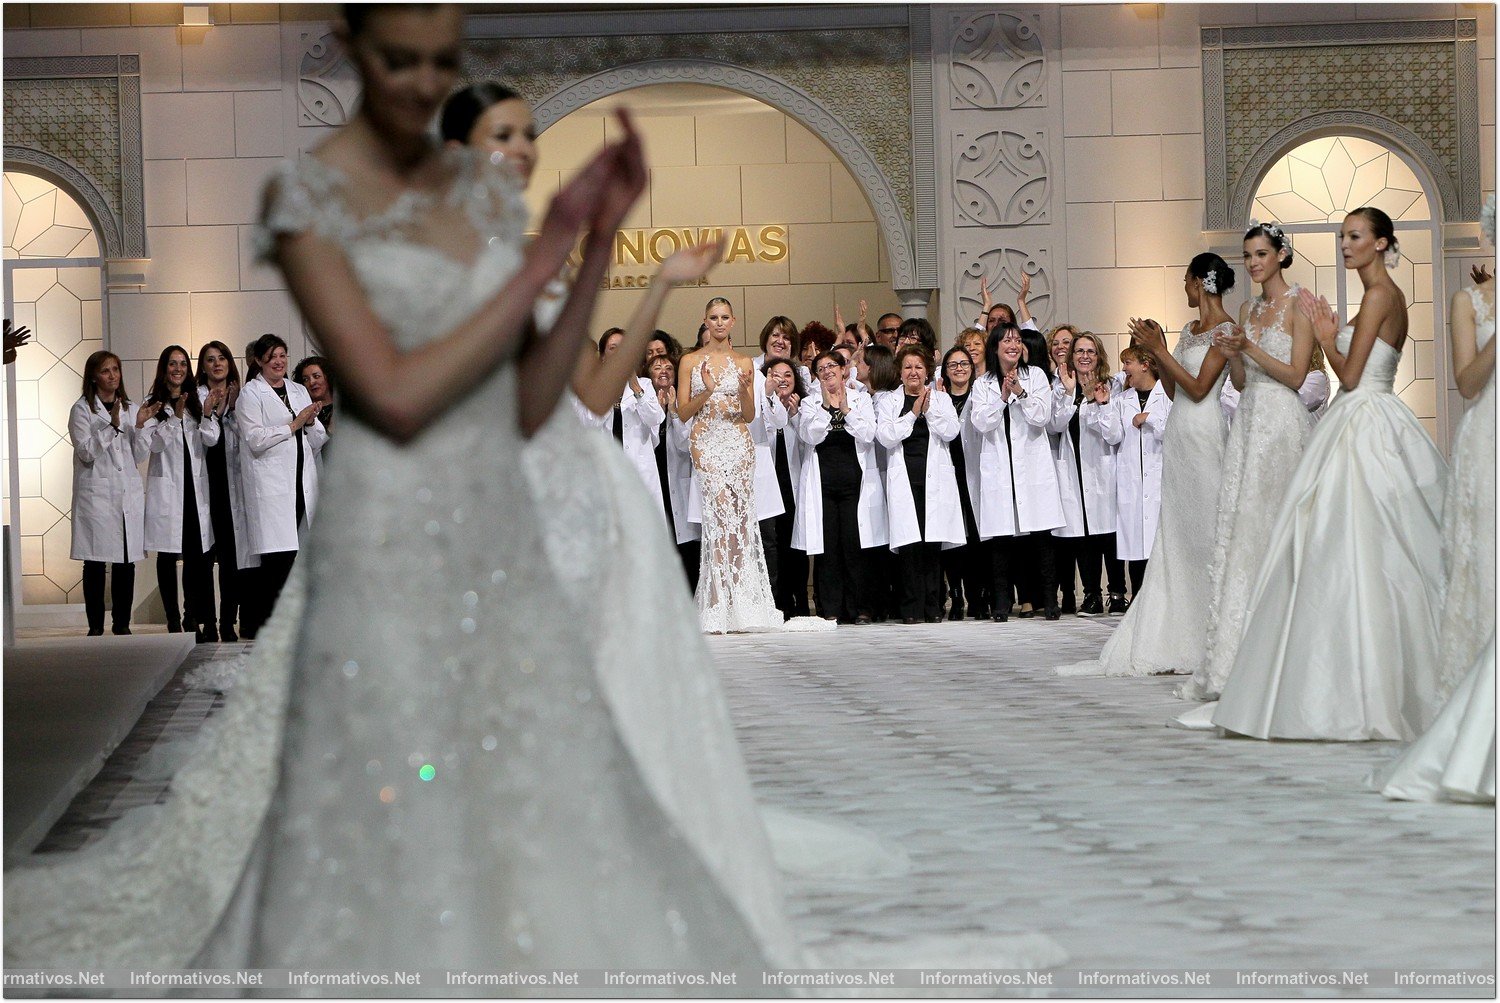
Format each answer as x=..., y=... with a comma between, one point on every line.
x=1356, y=545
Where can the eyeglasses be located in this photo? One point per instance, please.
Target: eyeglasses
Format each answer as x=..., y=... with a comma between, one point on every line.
x=960, y=364
x=826, y=370
x=889, y=330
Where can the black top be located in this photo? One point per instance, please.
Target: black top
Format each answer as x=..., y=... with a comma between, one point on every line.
x=838, y=461
x=301, y=502
x=914, y=448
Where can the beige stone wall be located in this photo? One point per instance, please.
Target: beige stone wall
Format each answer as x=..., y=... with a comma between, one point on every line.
x=749, y=166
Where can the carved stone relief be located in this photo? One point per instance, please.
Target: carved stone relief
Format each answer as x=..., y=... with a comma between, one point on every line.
x=997, y=60
x=1421, y=98
x=1001, y=178
x=327, y=83
x=1003, y=267
x=76, y=120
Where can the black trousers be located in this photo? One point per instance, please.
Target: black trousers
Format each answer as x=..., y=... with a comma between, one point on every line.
x=121, y=593
x=1092, y=552
x=768, y=544
x=840, y=571
x=968, y=576
x=921, y=580
x=1012, y=557
x=264, y=589
x=1137, y=578
x=197, y=576
x=226, y=555
x=790, y=584
x=692, y=556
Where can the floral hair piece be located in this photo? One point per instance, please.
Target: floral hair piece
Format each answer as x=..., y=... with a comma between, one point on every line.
x=1211, y=282
x=1275, y=232
x=1487, y=221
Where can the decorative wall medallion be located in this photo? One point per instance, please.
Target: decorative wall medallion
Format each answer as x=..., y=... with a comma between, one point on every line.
x=327, y=83
x=997, y=61
x=76, y=120
x=1003, y=267
x=1001, y=178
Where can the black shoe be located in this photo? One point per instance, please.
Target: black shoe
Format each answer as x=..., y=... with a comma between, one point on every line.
x=934, y=619
x=909, y=620
x=1026, y=614
x=1091, y=605
x=1000, y=616
x=956, y=611
x=120, y=630
x=1070, y=605
x=208, y=634
x=1053, y=613
x=96, y=631
x=863, y=620
x=1118, y=605
x=174, y=628
x=979, y=613
x=227, y=634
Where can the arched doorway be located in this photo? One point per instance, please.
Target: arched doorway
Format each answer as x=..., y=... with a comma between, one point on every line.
x=1310, y=189
x=803, y=236
x=54, y=284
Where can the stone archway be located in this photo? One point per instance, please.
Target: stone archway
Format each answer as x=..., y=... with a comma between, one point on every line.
x=894, y=228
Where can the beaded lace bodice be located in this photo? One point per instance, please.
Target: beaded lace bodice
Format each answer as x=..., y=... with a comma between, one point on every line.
x=1266, y=326
x=725, y=402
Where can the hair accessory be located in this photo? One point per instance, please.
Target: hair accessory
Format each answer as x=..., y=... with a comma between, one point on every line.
x=1392, y=256
x=1487, y=220
x=1211, y=282
x=1273, y=230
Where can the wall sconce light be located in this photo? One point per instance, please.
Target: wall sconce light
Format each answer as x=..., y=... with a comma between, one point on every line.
x=197, y=15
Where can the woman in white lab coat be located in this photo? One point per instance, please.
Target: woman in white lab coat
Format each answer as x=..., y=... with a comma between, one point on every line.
x=784, y=380
x=673, y=464
x=915, y=424
x=109, y=502
x=841, y=504
x=279, y=437
x=217, y=373
x=1014, y=485
x=641, y=417
x=770, y=419
x=1134, y=423
x=178, y=523
x=1086, y=473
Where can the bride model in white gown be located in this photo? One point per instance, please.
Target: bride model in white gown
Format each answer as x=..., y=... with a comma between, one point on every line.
x=1265, y=442
x=1163, y=630
x=716, y=388
x=1455, y=759
x=1341, y=639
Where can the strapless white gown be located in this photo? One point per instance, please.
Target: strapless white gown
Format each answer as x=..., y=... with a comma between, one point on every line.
x=1341, y=639
x=1163, y=630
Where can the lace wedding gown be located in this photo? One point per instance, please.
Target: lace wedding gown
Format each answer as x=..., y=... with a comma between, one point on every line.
x=1469, y=522
x=734, y=587
x=1341, y=638
x=1264, y=444
x=1163, y=630
x=442, y=738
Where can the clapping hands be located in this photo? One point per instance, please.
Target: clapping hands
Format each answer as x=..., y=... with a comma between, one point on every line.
x=1318, y=310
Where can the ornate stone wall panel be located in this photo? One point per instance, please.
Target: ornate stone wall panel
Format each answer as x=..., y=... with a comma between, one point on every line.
x=1424, y=96
x=77, y=120
x=327, y=83
x=923, y=146
x=860, y=79
x=1002, y=261
x=996, y=61
x=1001, y=178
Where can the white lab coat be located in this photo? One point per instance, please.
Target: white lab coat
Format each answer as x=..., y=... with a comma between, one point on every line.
x=229, y=432
x=770, y=417
x=640, y=430
x=588, y=419
x=812, y=428
x=164, y=481
x=1033, y=502
x=1137, y=467
x=680, y=483
x=109, y=501
x=268, y=464
x=1097, y=499
x=943, y=514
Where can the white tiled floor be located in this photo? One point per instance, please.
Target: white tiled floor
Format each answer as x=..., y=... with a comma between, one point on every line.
x=1032, y=802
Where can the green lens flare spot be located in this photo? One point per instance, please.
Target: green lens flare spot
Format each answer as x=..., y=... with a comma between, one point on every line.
x=427, y=772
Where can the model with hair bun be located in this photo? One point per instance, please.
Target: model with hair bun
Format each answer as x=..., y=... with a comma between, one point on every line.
x=1164, y=628
x=1341, y=635
x=1268, y=352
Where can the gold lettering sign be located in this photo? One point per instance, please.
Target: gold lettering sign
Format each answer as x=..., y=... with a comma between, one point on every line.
x=766, y=243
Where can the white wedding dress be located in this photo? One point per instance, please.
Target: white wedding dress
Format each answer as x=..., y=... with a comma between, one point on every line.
x=734, y=587
x=1469, y=521
x=1341, y=639
x=1261, y=454
x=1163, y=630
x=446, y=742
